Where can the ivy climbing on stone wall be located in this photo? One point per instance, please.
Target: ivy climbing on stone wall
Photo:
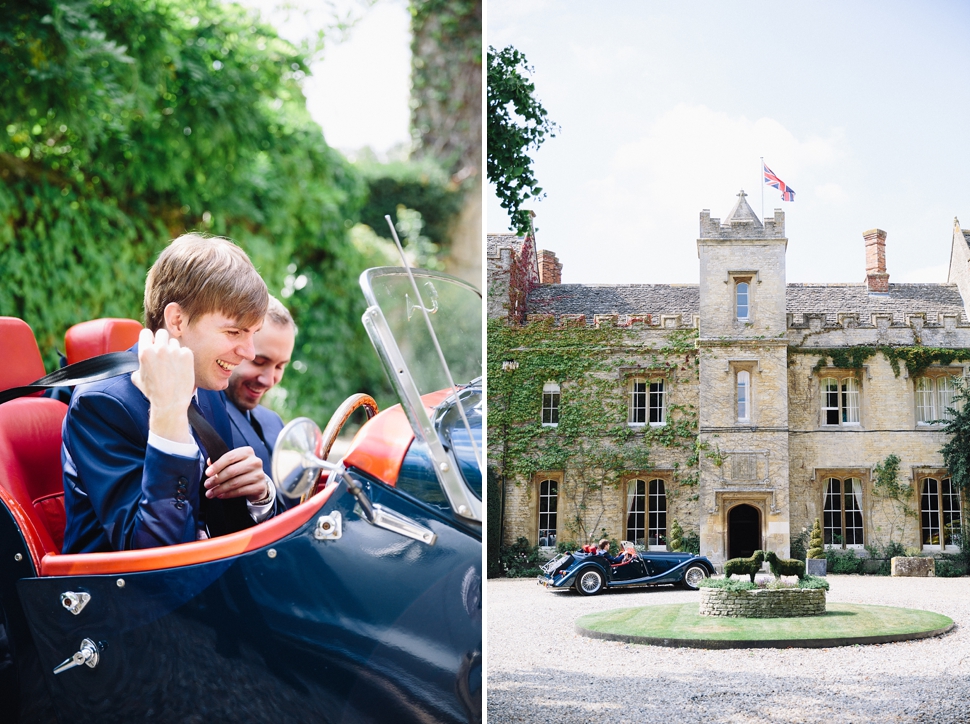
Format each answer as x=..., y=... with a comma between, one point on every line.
x=592, y=444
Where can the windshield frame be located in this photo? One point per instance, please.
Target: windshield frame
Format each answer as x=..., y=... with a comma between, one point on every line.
x=460, y=495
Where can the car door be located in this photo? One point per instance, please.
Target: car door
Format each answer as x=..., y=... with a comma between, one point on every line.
x=370, y=625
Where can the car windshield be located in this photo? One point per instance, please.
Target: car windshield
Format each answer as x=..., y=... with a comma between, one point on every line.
x=428, y=333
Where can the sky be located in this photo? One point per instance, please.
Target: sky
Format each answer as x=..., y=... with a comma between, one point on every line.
x=665, y=109
x=359, y=90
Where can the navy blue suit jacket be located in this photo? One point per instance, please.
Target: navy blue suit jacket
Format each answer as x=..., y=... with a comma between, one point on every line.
x=119, y=493
x=243, y=433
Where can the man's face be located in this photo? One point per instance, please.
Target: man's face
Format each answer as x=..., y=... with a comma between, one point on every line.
x=219, y=344
x=251, y=380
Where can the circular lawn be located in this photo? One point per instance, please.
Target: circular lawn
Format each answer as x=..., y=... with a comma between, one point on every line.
x=843, y=624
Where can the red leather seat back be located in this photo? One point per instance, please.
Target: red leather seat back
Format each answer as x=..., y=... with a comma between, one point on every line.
x=30, y=469
x=99, y=336
x=22, y=363
x=30, y=445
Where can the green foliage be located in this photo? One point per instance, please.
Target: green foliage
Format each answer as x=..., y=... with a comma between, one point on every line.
x=520, y=560
x=676, y=542
x=493, y=521
x=916, y=358
x=956, y=451
x=692, y=543
x=843, y=561
x=423, y=186
x=128, y=123
x=948, y=568
x=812, y=582
x=738, y=584
x=592, y=440
x=567, y=546
x=517, y=122
x=816, y=546
x=728, y=584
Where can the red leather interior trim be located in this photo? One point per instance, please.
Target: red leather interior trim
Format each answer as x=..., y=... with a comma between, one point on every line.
x=26, y=524
x=380, y=446
x=22, y=363
x=185, y=554
x=50, y=509
x=100, y=336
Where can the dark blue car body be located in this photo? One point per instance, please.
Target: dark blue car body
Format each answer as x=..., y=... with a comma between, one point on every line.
x=590, y=574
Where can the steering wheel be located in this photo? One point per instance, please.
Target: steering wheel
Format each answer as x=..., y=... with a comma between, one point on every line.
x=337, y=421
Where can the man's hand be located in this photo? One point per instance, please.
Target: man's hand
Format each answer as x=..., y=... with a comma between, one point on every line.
x=238, y=473
x=166, y=376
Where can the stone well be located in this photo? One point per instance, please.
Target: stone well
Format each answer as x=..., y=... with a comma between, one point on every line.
x=763, y=603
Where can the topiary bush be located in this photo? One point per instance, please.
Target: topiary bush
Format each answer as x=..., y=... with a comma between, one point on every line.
x=521, y=559
x=676, y=542
x=816, y=548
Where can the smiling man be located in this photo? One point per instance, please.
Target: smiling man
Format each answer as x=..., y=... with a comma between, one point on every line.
x=135, y=475
x=253, y=424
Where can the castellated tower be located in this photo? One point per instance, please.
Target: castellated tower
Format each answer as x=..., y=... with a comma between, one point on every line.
x=743, y=411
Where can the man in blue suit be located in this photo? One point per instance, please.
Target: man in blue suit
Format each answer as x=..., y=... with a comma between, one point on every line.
x=135, y=475
x=253, y=424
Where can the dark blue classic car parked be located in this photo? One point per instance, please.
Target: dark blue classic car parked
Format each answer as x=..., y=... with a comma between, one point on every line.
x=590, y=573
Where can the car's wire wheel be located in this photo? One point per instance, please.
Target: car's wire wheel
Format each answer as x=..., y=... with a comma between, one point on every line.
x=693, y=576
x=590, y=582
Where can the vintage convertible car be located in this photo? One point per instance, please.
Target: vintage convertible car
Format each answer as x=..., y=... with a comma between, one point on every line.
x=590, y=573
x=363, y=602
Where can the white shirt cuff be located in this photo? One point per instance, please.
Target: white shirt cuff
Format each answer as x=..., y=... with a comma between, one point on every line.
x=170, y=447
x=261, y=512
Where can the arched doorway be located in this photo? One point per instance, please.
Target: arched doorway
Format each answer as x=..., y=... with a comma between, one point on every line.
x=744, y=531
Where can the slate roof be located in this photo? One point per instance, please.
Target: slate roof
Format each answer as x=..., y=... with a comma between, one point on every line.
x=832, y=299
x=934, y=300
x=591, y=299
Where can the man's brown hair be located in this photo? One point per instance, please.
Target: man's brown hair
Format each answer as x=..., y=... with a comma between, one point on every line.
x=204, y=275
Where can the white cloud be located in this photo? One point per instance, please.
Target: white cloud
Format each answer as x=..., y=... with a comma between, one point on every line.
x=692, y=157
x=831, y=193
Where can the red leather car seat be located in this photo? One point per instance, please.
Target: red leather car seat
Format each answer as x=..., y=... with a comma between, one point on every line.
x=99, y=336
x=30, y=445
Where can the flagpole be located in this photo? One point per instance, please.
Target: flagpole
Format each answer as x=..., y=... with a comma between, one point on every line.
x=762, y=172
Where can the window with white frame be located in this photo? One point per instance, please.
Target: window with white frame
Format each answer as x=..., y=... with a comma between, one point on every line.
x=646, y=520
x=934, y=397
x=940, y=515
x=840, y=400
x=744, y=396
x=742, y=299
x=548, y=512
x=550, y=404
x=842, y=513
x=648, y=401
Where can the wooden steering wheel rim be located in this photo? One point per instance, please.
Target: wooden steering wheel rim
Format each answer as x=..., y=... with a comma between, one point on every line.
x=339, y=418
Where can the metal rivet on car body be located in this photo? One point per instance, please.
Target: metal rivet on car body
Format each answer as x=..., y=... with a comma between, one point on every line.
x=18, y=557
x=271, y=553
x=444, y=467
x=121, y=583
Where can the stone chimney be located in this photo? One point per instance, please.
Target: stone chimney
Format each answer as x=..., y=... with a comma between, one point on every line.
x=550, y=269
x=876, y=277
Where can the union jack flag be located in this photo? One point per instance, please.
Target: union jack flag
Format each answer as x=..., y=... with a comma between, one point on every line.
x=787, y=192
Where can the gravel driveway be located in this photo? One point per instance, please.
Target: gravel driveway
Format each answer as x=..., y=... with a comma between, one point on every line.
x=539, y=670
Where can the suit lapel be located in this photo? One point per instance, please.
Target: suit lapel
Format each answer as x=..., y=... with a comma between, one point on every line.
x=246, y=431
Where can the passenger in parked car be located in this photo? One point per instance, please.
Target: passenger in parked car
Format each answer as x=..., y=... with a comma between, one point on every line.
x=253, y=424
x=134, y=473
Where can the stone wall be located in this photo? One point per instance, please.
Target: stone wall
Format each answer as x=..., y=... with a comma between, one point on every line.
x=763, y=603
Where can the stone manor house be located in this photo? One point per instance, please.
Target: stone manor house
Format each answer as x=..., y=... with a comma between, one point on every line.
x=789, y=389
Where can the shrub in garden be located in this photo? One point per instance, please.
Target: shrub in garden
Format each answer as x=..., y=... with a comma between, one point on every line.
x=843, y=561
x=676, y=542
x=692, y=543
x=521, y=559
